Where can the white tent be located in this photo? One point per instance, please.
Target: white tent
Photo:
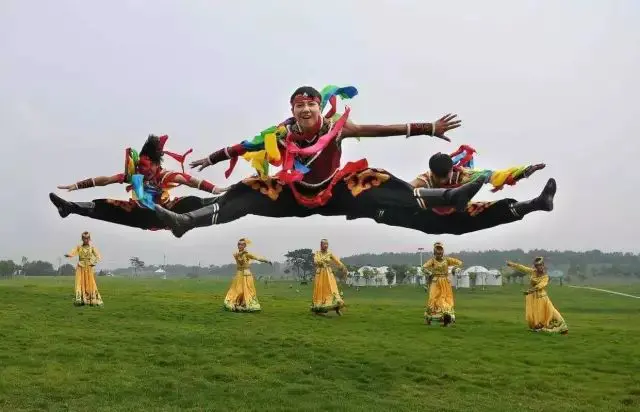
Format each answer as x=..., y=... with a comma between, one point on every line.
x=481, y=273
x=460, y=279
x=494, y=278
x=379, y=279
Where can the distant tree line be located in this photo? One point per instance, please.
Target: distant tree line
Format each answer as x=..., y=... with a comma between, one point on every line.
x=299, y=264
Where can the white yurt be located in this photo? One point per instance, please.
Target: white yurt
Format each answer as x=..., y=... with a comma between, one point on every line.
x=460, y=279
x=379, y=279
x=494, y=278
x=481, y=274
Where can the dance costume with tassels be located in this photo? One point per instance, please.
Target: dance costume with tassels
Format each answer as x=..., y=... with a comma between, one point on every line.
x=311, y=181
x=147, y=190
x=478, y=215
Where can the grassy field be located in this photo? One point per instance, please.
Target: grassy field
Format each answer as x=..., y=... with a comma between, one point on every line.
x=167, y=345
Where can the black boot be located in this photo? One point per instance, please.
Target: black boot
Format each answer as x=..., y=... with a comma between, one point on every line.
x=182, y=223
x=65, y=208
x=543, y=202
x=457, y=197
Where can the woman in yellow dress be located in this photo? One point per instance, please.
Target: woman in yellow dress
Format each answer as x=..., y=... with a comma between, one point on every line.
x=541, y=315
x=440, y=305
x=86, y=288
x=326, y=295
x=242, y=296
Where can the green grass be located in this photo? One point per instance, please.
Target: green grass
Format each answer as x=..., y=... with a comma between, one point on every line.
x=167, y=345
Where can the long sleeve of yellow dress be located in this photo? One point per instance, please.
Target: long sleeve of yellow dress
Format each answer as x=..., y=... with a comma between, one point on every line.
x=96, y=255
x=539, y=283
x=257, y=258
x=337, y=261
x=73, y=252
x=521, y=268
x=453, y=262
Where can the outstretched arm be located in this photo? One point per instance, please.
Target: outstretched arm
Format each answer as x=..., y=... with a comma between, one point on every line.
x=73, y=253
x=204, y=185
x=94, y=181
x=437, y=129
x=501, y=177
x=258, y=258
x=227, y=153
x=521, y=268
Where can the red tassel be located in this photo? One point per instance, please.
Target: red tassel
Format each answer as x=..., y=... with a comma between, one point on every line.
x=332, y=111
x=232, y=164
x=180, y=158
x=163, y=140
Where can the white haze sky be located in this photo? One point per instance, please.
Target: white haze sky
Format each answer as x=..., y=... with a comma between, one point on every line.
x=533, y=81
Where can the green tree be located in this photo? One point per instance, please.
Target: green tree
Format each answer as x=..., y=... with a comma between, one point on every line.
x=66, y=270
x=401, y=272
x=38, y=268
x=136, y=264
x=301, y=262
x=391, y=275
x=7, y=267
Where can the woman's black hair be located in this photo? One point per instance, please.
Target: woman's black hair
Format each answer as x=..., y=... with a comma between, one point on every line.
x=152, y=149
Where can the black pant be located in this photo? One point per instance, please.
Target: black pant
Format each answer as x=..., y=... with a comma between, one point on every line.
x=373, y=194
x=129, y=213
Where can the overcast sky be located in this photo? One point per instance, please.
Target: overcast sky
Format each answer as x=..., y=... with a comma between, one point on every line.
x=533, y=81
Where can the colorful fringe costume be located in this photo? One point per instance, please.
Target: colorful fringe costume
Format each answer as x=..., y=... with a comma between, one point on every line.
x=311, y=181
x=242, y=296
x=148, y=186
x=86, y=289
x=540, y=313
x=326, y=295
x=440, y=303
x=476, y=215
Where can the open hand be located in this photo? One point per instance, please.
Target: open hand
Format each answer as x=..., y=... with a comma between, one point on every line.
x=69, y=188
x=444, y=124
x=201, y=164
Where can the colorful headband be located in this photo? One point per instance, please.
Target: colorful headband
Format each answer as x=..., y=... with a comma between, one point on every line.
x=538, y=260
x=438, y=245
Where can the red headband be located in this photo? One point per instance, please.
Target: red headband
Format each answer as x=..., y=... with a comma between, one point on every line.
x=301, y=98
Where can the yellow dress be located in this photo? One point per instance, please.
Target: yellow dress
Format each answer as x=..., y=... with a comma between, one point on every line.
x=326, y=295
x=540, y=313
x=241, y=296
x=440, y=300
x=86, y=288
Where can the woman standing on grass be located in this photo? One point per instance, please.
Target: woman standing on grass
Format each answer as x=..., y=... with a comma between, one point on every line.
x=541, y=315
x=440, y=305
x=86, y=288
x=242, y=296
x=326, y=295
